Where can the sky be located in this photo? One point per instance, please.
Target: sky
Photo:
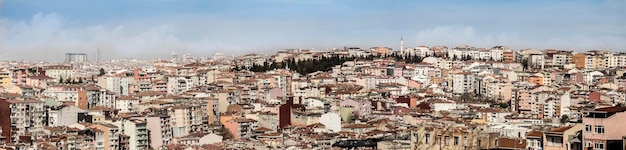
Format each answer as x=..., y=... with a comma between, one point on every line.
x=45, y=30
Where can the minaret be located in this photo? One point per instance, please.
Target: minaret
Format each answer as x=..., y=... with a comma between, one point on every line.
x=401, y=46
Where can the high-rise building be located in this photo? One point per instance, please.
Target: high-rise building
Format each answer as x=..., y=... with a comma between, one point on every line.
x=401, y=46
x=75, y=57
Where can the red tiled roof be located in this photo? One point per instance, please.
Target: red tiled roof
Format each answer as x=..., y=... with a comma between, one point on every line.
x=534, y=134
x=561, y=129
x=612, y=109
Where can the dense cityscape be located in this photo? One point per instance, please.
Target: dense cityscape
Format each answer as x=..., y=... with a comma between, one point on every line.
x=312, y=75
x=439, y=98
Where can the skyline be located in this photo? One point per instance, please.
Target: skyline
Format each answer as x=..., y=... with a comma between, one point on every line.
x=155, y=28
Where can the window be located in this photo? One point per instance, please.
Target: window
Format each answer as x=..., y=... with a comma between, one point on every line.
x=446, y=140
x=427, y=138
x=439, y=139
x=599, y=129
x=588, y=128
x=456, y=140
x=598, y=145
x=465, y=140
x=554, y=141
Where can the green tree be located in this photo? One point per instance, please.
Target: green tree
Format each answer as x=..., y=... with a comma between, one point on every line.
x=504, y=105
x=564, y=118
x=80, y=80
x=102, y=72
x=68, y=80
x=223, y=131
x=60, y=80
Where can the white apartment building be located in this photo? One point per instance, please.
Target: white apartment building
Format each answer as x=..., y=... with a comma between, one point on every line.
x=117, y=85
x=64, y=116
x=137, y=130
x=60, y=72
x=462, y=82
x=616, y=60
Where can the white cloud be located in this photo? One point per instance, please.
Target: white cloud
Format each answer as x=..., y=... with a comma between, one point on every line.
x=47, y=37
x=455, y=35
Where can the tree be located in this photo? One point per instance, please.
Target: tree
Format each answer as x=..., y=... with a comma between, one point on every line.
x=564, y=118
x=504, y=105
x=222, y=131
x=102, y=72
x=60, y=80
x=466, y=97
x=68, y=80
x=80, y=80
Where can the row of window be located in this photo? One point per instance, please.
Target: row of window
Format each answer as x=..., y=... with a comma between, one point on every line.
x=596, y=129
x=446, y=139
x=596, y=145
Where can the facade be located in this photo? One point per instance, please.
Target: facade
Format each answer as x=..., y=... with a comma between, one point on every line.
x=444, y=138
x=108, y=138
x=603, y=128
x=127, y=104
x=137, y=131
x=160, y=130
x=60, y=72
x=5, y=77
x=75, y=57
x=20, y=117
x=117, y=85
x=64, y=115
x=462, y=83
x=563, y=138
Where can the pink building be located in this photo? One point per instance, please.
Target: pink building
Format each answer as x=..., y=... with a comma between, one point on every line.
x=605, y=128
x=524, y=101
x=39, y=80
x=414, y=84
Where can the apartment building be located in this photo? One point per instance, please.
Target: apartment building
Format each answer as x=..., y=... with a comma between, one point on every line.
x=110, y=136
x=127, y=104
x=604, y=128
x=21, y=116
x=137, y=130
x=241, y=128
x=117, y=85
x=60, y=72
x=563, y=138
x=5, y=77
x=159, y=129
x=64, y=115
x=462, y=82
x=454, y=138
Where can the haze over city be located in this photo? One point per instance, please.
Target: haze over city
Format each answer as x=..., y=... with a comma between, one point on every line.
x=44, y=30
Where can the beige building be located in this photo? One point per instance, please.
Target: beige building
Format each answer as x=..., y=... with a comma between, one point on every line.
x=451, y=138
x=562, y=138
x=110, y=139
x=60, y=72
x=5, y=78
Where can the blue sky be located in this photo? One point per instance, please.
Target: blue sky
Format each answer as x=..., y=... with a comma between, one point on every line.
x=44, y=30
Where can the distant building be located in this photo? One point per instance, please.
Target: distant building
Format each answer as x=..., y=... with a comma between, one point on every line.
x=60, y=72
x=75, y=57
x=5, y=77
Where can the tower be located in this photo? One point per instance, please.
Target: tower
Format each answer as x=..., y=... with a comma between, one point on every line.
x=401, y=46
